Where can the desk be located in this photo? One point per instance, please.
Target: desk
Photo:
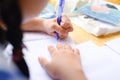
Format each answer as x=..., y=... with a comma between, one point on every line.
x=79, y=36
x=114, y=1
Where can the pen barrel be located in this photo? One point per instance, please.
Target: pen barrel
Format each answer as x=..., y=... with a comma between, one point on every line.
x=59, y=20
x=60, y=10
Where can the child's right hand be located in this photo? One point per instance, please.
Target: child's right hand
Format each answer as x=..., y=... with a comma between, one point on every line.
x=51, y=26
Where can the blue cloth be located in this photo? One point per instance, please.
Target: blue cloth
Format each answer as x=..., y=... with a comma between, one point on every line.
x=113, y=17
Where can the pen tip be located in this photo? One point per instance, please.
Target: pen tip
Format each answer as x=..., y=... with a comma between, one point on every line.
x=57, y=36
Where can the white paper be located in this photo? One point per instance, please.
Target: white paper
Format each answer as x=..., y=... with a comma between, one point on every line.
x=31, y=36
x=114, y=45
x=99, y=63
x=40, y=48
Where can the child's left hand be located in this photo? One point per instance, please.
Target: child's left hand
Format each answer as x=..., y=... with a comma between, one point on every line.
x=51, y=26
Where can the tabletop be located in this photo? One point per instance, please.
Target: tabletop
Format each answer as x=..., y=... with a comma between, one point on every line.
x=79, y=36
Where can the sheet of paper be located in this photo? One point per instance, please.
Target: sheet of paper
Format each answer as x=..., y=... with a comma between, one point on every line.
x=40, y=48
x=31, y=36
x=37, y=45
x=114, y=45
x=99, y=63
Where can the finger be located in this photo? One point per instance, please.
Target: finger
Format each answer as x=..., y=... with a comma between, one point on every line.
x=44, y=62
x=67, y=26
x=63, y=36
x=66, y=46
x=70, y=28
x=58, y=29
x=47, y=66
x=76, y=51
x=66, y=23
x=65, y=18
x=60, y=46
x=53, y=33
x=60, y=35
x=52, y=50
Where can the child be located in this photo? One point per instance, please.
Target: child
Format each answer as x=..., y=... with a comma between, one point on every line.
x=17, y=16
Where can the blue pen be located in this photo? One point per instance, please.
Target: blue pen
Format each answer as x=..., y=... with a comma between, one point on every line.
x=60, y=11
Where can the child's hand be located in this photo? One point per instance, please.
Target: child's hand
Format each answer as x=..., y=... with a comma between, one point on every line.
x=65, y=63
x=51, y=26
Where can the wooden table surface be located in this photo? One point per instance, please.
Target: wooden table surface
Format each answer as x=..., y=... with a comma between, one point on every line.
x=79, y=36
x=114, y=1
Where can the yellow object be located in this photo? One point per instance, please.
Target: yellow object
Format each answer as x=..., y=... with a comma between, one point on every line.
x=114, y=1
x=53, y=2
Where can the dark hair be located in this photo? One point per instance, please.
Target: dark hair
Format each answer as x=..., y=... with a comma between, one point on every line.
x=10, y=14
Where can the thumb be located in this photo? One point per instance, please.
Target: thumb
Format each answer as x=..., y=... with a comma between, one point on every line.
x=46, y=65
x=44, y=62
